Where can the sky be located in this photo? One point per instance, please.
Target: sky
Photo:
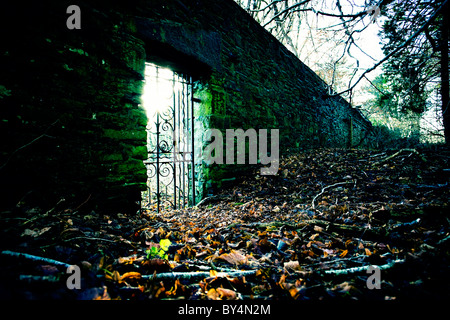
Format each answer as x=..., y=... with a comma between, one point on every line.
x=319, y=49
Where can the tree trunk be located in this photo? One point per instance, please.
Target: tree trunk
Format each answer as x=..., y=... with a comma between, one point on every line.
x=445, y=74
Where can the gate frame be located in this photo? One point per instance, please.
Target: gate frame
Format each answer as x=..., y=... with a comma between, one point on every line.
x=182, y=106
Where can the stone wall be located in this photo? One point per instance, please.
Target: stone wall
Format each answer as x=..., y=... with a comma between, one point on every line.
x=72, y=124
x=248, y=78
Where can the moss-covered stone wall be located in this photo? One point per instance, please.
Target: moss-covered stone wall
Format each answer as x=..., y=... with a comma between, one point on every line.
x=71, y=122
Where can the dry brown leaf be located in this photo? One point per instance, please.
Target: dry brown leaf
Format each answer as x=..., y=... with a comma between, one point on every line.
x=234, y=257
x=226, y=294
x=104, y=296
x=314, y=236
x=115, y=276
x=318, y=229
x=212, y=294
x=293, y=291
x=130, y=259
x=35, y=233
x=292, y=265
x=282, y=280
x=131, y=275
x=343, y=254
x=173, y=291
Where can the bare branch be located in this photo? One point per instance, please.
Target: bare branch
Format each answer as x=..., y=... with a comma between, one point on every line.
x=394, y=52
x=289, y=9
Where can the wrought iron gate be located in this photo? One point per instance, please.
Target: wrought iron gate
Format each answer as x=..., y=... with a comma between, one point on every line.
x=170, y=139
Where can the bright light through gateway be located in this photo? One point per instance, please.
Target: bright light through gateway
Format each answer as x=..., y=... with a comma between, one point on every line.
x=158, y=89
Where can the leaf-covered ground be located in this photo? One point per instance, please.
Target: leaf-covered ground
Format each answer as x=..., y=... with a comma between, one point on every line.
x=310, y=233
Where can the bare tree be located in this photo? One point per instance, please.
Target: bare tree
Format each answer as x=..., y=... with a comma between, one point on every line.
x=345, y=21
x=337, y=21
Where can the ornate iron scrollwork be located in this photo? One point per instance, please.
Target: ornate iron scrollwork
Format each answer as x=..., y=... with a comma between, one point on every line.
x=170, y=163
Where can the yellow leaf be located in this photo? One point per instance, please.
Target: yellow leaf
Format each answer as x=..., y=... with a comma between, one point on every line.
x=368, y=253
x=213, y=294
x=282, y=280
x=393, y=250
x=314, y=236
x=132, y=275
x=293, y=291
x=343, y=254
x=213, y=273
x=116, y=275
x=173, y=291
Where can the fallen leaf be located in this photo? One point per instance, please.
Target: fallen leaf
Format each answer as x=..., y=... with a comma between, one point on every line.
x=130, y=275
x=234, y=257
x=294, y=291
x=213, y=273
x=175, y=288
x=292, y=265
x=212, y=294
x=314, y=236
x=343, y=254
x=104, y=295
x=226, y=294
x=318, y=229
x=130, y=259
x=35, y=232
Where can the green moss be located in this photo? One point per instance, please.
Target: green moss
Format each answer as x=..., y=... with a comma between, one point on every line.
x=112, y=157
x=139, y=152
x=125, y=135
x=205, y=106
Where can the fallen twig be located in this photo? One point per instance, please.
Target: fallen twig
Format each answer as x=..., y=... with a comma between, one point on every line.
x=35, y=258
x=33, y=279
x=398, y=153
x=363, y=268
x=209, y=200
x=303, y=223
x=325, y=188
x=196, y=275
x=443, y=241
